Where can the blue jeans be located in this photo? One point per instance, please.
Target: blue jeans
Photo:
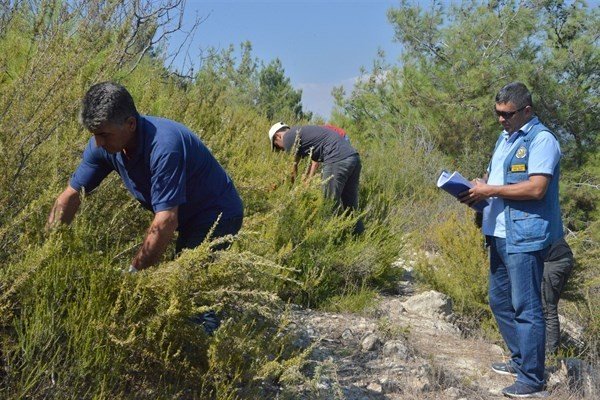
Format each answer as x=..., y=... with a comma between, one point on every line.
x=516, y=302
x=342, y=185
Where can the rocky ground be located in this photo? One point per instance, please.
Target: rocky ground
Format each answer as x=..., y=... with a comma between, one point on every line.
x=409, y=347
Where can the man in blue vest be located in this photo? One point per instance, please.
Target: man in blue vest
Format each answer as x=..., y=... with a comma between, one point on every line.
x=522, y=220
x=163, y=164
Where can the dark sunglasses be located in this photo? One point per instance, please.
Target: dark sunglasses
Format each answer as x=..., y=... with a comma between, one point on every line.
x=508, y=114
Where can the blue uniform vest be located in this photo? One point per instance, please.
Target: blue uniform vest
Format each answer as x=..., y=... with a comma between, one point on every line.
x=531, y=225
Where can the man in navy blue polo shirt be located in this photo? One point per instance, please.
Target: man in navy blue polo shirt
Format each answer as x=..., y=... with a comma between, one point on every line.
x=164, y=166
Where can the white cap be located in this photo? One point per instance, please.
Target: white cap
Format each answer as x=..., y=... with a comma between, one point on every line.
x=274, y=129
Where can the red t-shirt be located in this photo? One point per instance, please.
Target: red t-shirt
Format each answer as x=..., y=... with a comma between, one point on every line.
x=337, y=129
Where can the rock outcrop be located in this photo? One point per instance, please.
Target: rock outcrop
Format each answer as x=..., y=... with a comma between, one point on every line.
x=410, y=348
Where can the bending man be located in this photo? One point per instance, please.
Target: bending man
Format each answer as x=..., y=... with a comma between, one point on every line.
x=162, y=164
x=341, y=162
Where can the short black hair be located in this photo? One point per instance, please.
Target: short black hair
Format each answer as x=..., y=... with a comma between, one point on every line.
x=516, y=93
x=106, y=102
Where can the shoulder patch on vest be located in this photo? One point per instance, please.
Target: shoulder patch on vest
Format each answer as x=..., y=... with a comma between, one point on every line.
x=521, y=153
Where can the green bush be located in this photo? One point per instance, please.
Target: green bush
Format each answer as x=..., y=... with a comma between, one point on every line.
x=77, y=327
x=72, y=326
x=456, y=263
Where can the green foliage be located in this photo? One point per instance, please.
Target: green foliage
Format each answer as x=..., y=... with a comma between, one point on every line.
x=567, y=86
x=80, y=328
x=318, y=249
x=580, y=200
x=360, y=302
x=437, y=103
x=586, y=248
x=456, y=58
x=276, y=95
x=72, y=326
x=457, y=263
x=247, y=83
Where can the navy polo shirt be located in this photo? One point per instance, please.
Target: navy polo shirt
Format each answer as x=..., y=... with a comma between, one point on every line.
x=171, y=167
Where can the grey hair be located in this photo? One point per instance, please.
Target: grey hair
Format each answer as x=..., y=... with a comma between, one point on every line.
x=106, y=102
x=516, y=93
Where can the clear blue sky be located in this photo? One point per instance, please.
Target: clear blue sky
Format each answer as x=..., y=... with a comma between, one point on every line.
x=321, y=43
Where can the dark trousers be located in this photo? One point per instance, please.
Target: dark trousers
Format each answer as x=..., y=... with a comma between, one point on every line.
x=341, y=185
x=209, y=320
x=555, y=277
x=193, y=239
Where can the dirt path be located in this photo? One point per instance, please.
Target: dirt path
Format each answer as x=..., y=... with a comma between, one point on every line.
x=407, y=348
